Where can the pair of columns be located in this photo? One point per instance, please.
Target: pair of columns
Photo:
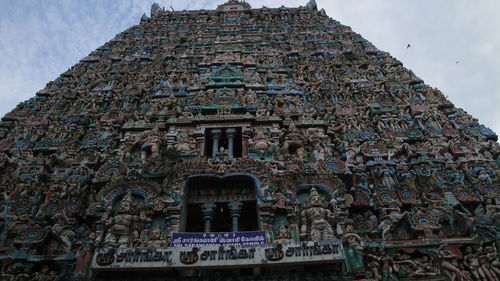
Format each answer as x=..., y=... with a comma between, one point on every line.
x=216, y=135
x=208, y=211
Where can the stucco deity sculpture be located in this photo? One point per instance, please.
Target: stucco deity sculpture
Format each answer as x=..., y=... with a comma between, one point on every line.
x=185, y=144
x=84, y=255
x=261, y=145
x=156, y=238
x=389, y=217
x=120, y=226
x=493, y=258
x=150, y=145
x=316, y=218
x=449, y=264
x=486, y=267
x=65, y=235
x=293, y=144
x=283, y=234
x=353, y=247
x=471, y=262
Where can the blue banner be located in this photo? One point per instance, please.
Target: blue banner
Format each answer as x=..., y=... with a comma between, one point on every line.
x=182, y=239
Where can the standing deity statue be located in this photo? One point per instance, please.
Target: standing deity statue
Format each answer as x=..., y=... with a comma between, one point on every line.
x=84, y=255
x=389, y=217
x=489, y=272
x=316, y=218
x=65, y=235
x=294, y=143
x=449, y=264
x=353, y=248
x=120, y=226
x=150, y=145
x=493, y=259
x=471, y=262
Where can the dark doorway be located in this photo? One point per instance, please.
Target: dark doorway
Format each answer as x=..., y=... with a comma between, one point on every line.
x=219, y=191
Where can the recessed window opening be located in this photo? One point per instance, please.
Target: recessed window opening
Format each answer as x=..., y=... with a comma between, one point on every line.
x=227, y=138
x=221, y=205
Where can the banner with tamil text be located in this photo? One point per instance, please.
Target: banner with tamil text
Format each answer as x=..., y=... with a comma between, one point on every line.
x=211, y=256
x=218, y=238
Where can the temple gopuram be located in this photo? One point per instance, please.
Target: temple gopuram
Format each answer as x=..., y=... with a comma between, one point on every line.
x=246, y=144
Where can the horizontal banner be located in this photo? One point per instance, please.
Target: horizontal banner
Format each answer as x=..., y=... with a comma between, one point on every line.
x=211, y=256
x=218, y=238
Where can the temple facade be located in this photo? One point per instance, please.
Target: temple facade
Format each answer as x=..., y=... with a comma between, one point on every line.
x=246, y=144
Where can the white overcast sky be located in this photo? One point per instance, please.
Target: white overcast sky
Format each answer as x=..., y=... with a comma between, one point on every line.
x=455, y=44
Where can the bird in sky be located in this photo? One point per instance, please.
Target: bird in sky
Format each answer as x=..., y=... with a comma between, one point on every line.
x=408, y=46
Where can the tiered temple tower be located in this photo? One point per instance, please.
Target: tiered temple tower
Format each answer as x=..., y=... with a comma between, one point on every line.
x=245, y=144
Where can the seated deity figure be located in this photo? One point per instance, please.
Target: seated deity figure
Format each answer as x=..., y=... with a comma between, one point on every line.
x=260, y=142
x=250, y=98
x=293, y=145
x=186, y=144
x=156, y=238
x=316, y=218
x=283, y=235
x=120, y=226
x=280, y=102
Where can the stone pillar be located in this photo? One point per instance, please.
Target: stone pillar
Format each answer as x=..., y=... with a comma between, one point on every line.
x=171, y=136
x=199, y=134
x=245, y=135
x=230, y=134
x=234, y=211
x=275, y=134
x=208, y=211
x=215, y=137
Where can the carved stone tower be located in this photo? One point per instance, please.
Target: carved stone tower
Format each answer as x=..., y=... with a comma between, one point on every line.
x=258, y=144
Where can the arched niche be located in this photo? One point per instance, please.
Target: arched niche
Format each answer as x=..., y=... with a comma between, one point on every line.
x=324, y=191
x=262, y=174
x=145, y=192
x=200, y=189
